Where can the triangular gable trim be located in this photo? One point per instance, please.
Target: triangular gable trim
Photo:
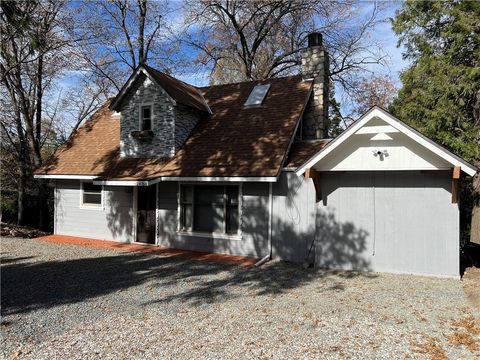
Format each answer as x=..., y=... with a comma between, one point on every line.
x=131, y=80
x=399, y=125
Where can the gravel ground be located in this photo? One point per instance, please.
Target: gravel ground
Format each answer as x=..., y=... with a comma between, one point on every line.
x=64, y=301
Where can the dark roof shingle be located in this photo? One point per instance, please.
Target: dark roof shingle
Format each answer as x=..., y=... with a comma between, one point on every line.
x=180, y=91
x=302, y=151
x=234, y=141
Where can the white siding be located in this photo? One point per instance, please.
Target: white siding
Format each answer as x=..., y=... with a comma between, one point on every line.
x=112, y=222
x=357, y=153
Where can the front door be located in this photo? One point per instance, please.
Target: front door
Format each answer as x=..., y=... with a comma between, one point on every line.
x=146, y=204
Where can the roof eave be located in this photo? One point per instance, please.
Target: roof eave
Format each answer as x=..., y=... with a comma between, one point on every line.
x=439, y=150
x=128, y=84
x=299, y=121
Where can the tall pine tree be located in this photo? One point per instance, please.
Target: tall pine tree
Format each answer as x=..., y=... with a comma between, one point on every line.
x=441, y=89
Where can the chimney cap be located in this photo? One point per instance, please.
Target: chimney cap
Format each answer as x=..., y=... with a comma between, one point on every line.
x=314, y=39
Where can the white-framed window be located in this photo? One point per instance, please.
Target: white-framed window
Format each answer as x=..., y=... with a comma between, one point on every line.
x=146, y=117
x=213, y=209
x=91, y=195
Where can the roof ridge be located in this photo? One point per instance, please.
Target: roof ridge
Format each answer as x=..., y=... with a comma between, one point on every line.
x=250, y=81
x=170, y=76
x=157, y=75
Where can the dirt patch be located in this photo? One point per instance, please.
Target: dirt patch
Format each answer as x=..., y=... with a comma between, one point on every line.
x=10, y=230
x=471, y=285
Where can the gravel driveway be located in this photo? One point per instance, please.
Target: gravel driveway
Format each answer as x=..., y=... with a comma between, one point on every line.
x=72, y=302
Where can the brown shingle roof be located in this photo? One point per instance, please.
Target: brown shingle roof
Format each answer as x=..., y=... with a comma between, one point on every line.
x=180, y=91
x=233, y=141
x=302, y=151
x=84, y=153
x=240, y=141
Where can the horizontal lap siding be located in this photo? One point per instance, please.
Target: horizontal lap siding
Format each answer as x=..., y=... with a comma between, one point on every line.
x=254, y=223
x=113, y=222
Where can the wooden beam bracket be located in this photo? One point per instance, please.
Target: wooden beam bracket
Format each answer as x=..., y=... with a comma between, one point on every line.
x=455, y=180
x=315, y=176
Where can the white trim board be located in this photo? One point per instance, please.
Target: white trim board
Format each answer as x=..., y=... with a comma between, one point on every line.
x=222, y=178
x=187, y=179
x=398, y=125
x=127, y=182
x=66, y=177
x=156, y=180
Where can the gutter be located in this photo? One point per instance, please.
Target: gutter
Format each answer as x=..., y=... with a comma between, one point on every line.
x=268, y=257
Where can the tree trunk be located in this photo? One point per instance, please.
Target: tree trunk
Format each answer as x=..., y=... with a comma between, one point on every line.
x=142, y=4
x=475, y=227
x=20, y=201
x=39, y=95
x=21, y=185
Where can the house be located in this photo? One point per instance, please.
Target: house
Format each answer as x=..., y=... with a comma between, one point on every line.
x=246, y=169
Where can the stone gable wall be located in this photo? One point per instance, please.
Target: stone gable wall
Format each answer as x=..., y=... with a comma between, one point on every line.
x=171, y=124
x=185, y=120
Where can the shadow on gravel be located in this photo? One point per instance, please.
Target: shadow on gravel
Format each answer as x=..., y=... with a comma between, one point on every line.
x=8, y=259
x=26, y=287
x=274, y=278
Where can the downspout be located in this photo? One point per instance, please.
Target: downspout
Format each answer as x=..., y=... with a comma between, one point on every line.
x=270, y=216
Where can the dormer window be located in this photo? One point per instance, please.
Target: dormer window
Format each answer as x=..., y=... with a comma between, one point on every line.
x=146, y=117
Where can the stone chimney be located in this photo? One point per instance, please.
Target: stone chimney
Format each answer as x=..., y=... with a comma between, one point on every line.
x=315, y=67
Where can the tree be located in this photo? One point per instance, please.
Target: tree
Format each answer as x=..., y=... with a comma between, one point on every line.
x=129, y=32
x=36, y=40
x=336, y=122
x=374, y=90
x=245, y=40
x=29, y=42
x=92, y=46
x=440, y=89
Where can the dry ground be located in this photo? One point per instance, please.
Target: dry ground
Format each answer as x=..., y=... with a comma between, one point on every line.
x=471, y=284
x=65, y=301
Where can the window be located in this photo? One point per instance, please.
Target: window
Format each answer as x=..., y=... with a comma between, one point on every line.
x=145, y=117
x=257, y=95
x=212, y=209
x=91, y=194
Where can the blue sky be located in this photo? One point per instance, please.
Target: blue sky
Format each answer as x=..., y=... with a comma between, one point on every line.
x=382, y=34
x=386, y=37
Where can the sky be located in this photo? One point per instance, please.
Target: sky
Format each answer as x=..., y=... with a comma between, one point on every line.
x=382, y=34
x=387, y=38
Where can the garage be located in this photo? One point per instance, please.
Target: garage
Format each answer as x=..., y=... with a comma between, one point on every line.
x=386, y=200
x=388, y=221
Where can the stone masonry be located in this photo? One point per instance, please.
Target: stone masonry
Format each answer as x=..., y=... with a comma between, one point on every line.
x=185, y=120
x=171, y=124
x=315, y=117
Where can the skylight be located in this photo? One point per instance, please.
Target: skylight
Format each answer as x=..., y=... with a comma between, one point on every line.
x=257, y=95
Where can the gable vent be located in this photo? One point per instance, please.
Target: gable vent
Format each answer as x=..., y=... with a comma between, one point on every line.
x=257, y=95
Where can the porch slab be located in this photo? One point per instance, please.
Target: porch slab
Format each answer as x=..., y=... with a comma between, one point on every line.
x=151, y=249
